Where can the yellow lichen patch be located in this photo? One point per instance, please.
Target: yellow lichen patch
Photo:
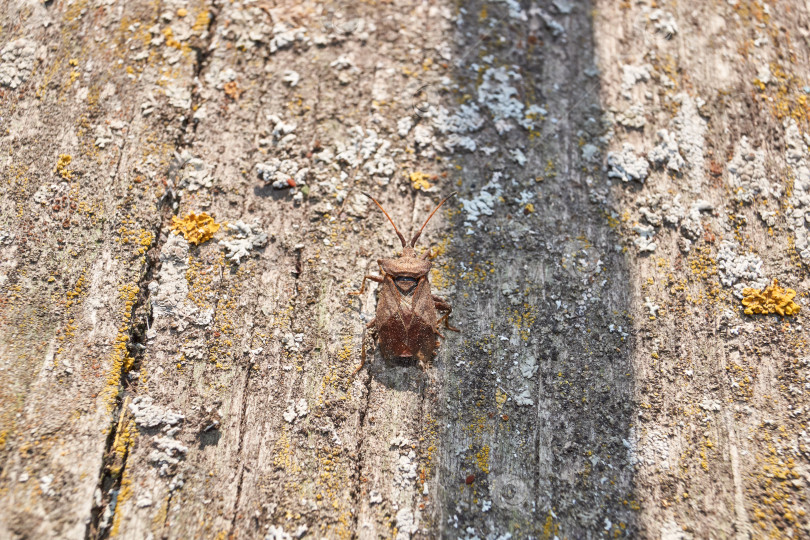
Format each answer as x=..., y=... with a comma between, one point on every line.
x=283, y=454
x=62, y=166
x=482, y=458
x=773, y=299
x=500, y=398
x=195, y=228
x=550, y=529
x=120, y=361
x=202, y=21
x=523, y=319
x=124, y=439
x=123, y=495
x=419, y=180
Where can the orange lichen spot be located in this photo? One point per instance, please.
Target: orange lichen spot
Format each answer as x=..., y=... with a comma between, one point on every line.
x=773, y=299
x=419, y=180
x=233, y=91
x=62, y=166
x=182, y=12
x=195, y=228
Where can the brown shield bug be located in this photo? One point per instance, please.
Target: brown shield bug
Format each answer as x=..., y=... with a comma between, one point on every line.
x=406, y=324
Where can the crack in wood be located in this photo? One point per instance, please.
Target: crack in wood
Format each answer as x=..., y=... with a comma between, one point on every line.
x=358, y=451
x=110, y=478
x=243, y=429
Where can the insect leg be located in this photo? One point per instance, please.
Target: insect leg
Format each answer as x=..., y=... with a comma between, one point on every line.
x=362, y=357
x=442, y=305
x=378, y=279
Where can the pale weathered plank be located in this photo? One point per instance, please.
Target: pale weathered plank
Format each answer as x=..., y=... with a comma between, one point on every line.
x=77, y=241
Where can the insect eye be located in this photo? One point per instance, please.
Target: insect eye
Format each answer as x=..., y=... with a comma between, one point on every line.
x=405, y=285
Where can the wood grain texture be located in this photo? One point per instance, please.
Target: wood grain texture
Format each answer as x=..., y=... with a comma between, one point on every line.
x=606, y=381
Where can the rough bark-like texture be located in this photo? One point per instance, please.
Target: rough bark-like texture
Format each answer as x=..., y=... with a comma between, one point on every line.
x=625, y=171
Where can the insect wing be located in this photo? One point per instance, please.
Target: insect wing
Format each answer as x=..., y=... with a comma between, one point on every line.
x=392, y=330
x=422, y=327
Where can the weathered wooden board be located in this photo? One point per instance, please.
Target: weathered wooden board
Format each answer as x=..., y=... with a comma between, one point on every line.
x=719, y=429
x=82, y=177
x=605, y=381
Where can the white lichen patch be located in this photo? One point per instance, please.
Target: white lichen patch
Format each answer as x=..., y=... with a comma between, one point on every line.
x=169, y=294
x=664, y=23
x=458, y=125
x=149, y=415
x=746, y=174
x=691, y=136
x=659, y=209
x=627, y=165
x=172, y=287
x=523, y=398
x=17, y=62
x=518, y=156
x=285, y=36
x=799, y=163
x=275, y=532
x=666, y=152
x=632, y=117
x=553, y=26
x=497, y=94
x=691, y=226
x=194, y=173
x=528, y=366
x=711, y=405
x=179, y=96
x=482, y=204
x=645, y=240
x=654, y=449
x=368, y=150
x=245, y=239
x=404, y=126
x=246, y=29
x=632, y=75
x=296, y=410
x=734, y=268
x=652, y=307
x=407, y=524
x=166, y=454
x=281, y=135
x=407, y=469
x=282, y=173
x=291, y=77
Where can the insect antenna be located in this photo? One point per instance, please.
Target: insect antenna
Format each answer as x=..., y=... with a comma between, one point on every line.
x=416, y=236
x=401, y=238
